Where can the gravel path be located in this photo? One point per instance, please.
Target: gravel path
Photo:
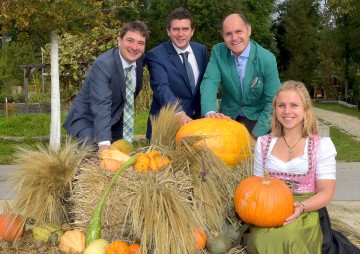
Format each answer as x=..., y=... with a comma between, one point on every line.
x=349, y=124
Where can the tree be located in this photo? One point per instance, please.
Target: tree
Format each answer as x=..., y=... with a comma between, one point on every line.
x=346, y=29
x=54, y=17
x=300, y=26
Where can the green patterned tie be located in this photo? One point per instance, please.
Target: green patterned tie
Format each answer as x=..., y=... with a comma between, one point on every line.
x=128, y=127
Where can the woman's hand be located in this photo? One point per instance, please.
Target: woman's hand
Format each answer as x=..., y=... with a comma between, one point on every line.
x=298, y=210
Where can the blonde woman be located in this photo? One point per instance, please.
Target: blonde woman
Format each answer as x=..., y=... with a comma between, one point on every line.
x=294, y=153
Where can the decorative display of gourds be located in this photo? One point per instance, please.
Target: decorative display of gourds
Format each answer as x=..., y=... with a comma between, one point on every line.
x=170, y=200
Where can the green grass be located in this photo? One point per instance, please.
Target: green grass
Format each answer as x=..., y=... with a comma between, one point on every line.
x=34, y=125
x=347, y=148
x=338, y=108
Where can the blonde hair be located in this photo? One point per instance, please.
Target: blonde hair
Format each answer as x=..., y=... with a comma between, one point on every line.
x=310, y=122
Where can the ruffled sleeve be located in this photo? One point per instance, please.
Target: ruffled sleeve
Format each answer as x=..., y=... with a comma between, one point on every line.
x=258, y=158
x=326, y=163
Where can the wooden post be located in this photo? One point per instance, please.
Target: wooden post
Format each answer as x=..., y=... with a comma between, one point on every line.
x=26, y=90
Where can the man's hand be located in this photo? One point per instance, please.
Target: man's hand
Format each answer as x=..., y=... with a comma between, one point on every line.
x=216, y=115
x=102, y=148
x=183, y=118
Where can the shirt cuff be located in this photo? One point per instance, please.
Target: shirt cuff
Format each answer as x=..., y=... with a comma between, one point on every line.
x=210, y=112
x=104, y=143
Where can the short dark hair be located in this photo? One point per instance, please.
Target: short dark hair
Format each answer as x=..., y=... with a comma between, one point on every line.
x=241, y=15
x=180, y=13
x=135, y=26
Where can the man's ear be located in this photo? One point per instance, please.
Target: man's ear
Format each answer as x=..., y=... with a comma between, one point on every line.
x=249, y=29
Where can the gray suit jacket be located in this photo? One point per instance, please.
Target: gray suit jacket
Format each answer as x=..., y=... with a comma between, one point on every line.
x=100, y=102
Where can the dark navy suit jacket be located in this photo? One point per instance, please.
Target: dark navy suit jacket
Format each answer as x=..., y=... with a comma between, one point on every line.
x=100, y=102
x=169, y=80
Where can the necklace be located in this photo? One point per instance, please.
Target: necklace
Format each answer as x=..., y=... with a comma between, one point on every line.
x=291, y=147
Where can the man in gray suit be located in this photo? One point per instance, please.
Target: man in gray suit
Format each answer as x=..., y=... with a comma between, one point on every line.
x=97, y=113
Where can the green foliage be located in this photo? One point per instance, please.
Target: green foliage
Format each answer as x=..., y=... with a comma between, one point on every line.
x=76, y=53
x=11, y=56
x=300, y=25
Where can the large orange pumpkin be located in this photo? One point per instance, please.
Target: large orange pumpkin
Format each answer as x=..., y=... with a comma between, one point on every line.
x=263, y=201
x=226, y=138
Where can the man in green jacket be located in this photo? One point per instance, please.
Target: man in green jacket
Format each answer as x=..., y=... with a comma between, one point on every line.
x=248, y=76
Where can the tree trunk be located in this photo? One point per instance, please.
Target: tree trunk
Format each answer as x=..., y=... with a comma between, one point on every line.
x=55, y=93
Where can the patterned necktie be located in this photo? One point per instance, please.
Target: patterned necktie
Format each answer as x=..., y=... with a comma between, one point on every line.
x=189, y=69
x=128, y=126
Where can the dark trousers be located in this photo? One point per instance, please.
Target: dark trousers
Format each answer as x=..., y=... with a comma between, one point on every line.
x=86, y=135
x=249, y=124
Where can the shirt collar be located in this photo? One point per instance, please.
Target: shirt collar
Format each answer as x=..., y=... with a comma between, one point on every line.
x=178, y=51
x=126, y=64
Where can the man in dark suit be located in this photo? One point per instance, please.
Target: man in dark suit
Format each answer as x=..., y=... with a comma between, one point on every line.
x=171, y=77
x=97, y=113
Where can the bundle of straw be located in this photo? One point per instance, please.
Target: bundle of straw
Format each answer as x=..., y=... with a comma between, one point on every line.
x=160, y=209
x=43, y=181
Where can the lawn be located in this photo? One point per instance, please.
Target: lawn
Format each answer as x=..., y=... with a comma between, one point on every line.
x=27, y=126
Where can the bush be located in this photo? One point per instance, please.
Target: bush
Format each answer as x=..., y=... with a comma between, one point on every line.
x=13, y=55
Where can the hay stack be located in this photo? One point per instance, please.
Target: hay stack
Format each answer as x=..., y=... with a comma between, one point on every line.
x=160, y=209
x=43, y=181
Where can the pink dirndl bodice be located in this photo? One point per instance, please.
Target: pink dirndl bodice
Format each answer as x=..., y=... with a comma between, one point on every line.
x=298, y=183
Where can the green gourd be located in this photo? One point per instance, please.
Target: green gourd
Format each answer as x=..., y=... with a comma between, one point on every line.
x=94, y=230
x=218, y=243
x=43, y=232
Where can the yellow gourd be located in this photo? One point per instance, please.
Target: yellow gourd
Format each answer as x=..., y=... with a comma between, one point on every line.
x=72, y=241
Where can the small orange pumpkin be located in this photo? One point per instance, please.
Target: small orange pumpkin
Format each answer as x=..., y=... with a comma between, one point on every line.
x=134, y=248
x=162, y=161
x=263, y=201
x=142, y=162
x=12, y=226
x=151, y=160
x=110, y=164
x=226, y=138
x=200, y=238
x=118, y=247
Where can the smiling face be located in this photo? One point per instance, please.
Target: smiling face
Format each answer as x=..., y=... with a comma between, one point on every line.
x=131, y=46
x=236, y=34
x=180, y=32
x=290, y=110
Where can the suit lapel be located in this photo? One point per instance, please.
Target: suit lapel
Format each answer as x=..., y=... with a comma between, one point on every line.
x=120, y=74
x=198, y=58
x=139, y=73
x=233, y=73
x=250, y=69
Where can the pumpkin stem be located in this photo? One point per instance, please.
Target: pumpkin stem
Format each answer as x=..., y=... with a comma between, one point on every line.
x=6, y=207
x=267, y=179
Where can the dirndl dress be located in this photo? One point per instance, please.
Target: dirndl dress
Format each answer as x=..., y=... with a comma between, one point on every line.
x=311, y=233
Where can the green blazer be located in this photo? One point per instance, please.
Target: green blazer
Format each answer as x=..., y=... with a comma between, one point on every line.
x=256, y=101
